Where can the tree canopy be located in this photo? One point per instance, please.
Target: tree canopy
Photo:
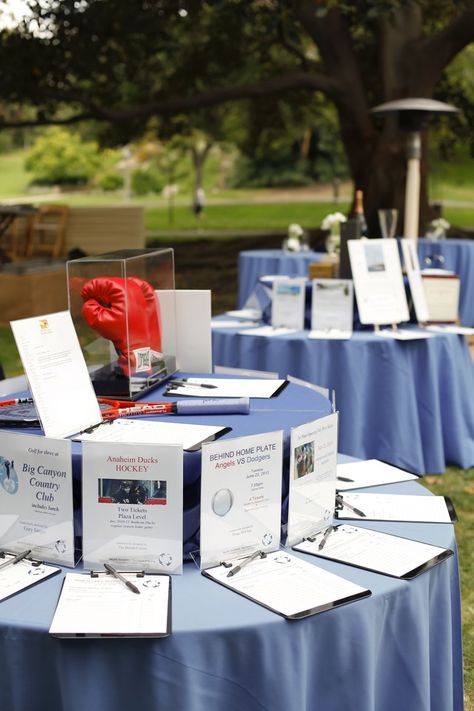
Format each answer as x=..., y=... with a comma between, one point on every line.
x=124, y=63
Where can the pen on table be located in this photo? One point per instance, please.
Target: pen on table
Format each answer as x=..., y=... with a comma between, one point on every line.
x=350, y=507
x=122, y=578
x=186, y=384
x=344, y=478
x=16, y=559
x=245, y=562
x=323, y=540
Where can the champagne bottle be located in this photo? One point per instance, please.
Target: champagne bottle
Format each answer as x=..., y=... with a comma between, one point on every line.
x=359, y=215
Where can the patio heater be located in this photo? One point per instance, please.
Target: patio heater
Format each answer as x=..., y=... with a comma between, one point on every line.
x=412, y=116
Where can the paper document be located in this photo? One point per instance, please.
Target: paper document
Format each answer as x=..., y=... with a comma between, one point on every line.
x=268, y=331
x=146, y=432
x=252, y=314
x=288, y=585
x=330, y=333
x=397, y=507
x=381, y=552
x=57, y=373
x=332, y=307
x=402, y=335
x=227, y=387
x=22, y=575
x=234, y=323
x=103, y=606
x=371, y=472
x=452, y=328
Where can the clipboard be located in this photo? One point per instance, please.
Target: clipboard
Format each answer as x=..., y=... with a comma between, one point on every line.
x=23, y=575
x=301, y=572
x=115, y=600
x=357, y=514
x=311, y=546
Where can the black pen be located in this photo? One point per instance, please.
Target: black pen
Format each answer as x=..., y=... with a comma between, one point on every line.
x=323, y=540
x=350, y=507
x=16, y=559
x=245, y=562
x=186, y=384
x=343, y=478
x=122, y=578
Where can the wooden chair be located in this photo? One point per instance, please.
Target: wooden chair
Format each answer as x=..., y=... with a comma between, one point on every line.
x=48, y=231
x=16, y=239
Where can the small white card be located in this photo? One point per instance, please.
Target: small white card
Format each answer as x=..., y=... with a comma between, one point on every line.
x=313, y=457
x=132, y=506
x=57, y=373
x=36, y=495
x=186, y=331
x=241, y=483
x=288, y=297
x=442, y=295
x=378, y=281
x=332, y=308
x=412, y=267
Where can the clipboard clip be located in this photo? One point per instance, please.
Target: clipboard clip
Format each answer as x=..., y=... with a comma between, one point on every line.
x=97, y=573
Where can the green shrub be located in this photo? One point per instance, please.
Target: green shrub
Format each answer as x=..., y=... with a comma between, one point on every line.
x=61, y=158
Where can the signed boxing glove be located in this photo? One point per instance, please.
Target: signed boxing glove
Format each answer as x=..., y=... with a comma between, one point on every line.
x=153, y=316
x=117, y=308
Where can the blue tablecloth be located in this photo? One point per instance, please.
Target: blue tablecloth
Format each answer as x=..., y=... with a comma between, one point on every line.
x=255, y=263
x=409, y=403
x=458, y=256
x=399, y=649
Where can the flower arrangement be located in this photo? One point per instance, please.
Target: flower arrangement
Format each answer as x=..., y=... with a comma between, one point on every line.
x=295, y=241
x=332, y=222
x=437, y=228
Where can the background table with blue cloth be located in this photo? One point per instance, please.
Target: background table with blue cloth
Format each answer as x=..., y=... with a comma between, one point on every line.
x=458, y=256
x=409, y=403
x=255, y=263
x=398, y=649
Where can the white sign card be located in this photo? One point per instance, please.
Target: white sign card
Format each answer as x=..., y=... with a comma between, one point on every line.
x=369, y=472
x=132, y=506
x=241, y=482
x=313, y=462
x=378, y=281
x=442, y=296
x=288, y=297
x=412, y=268
x=57, y=373
x=395, y=507
x=186, y=331
x=332, y=308
x=36, y=497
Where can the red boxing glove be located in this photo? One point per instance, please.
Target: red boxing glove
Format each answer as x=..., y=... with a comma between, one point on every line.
x=114, y=306
x=153, y=315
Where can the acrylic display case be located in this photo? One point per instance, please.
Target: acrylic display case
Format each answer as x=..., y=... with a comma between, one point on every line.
x=118, y=319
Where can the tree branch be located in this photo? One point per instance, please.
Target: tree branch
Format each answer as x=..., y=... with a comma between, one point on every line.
x=45, y=121
x=441, y=47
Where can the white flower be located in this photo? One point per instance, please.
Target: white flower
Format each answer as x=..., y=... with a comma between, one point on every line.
x=440, y=224
x=295, y=231
x=332, y=219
